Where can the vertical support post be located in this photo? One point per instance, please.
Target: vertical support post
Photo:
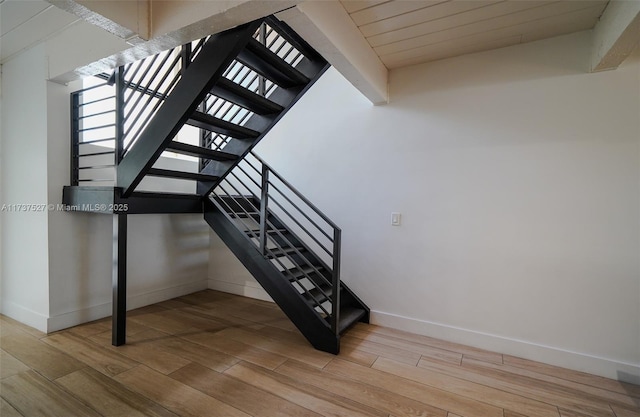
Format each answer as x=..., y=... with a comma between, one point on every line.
x=119, y=280
x=120, y=90
x=335, y=281
x=262, y=38
x=185, y=55
x=264, y=200
x=75, y=138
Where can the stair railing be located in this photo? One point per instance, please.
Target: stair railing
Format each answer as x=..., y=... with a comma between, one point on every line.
x=137, y=90
x=93, y=135
x=249, y=79
x=253, y=190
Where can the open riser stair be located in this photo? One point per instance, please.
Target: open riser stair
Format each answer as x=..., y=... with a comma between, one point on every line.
x=233, y=87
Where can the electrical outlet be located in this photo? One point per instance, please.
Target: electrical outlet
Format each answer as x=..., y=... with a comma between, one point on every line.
x=395, y=219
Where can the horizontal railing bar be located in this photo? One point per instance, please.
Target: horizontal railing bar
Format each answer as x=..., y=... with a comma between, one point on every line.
x=249, y=176
x=304, y=229
x=95, y=154
x=306, y=216
x=146, y=90
x=97, y=180
x=290, y=258
x=138, y=86
x=304, y=258
x=105, y=76
x=252, y=166
x=137, y=65
x=96, y=101
x=97, y=127
x=96, y=141
x=96, y=114
x=296, y=192
x=246, y=187
x=93, y=87
x=232, y=210
x=146, y=120
x=269, y=250
x=98, y=166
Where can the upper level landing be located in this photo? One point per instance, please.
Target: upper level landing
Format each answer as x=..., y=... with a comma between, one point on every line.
x=109, y=200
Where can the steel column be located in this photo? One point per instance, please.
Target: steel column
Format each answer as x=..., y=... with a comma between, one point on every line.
x=119, y=282
x=264, y=210
x=262, y=81
x=75, y=137
x=335, y=281
x=120, y=90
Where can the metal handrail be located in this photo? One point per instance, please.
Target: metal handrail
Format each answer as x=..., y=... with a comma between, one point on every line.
x=266, y=251
x=140, y=88
x=258, y=183
x=95, y=131
x=297, y=193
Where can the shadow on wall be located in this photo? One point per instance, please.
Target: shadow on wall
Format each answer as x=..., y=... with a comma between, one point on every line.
x=536, y=60
x=633, y=391
x=188, y=250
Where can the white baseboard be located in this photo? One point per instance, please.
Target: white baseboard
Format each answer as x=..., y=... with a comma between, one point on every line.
x=25, y=315
x=84, y=315
x=239, y=289
x=608, y=368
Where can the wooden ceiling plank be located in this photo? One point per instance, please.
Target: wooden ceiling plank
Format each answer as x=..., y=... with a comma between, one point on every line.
x=330, y=30
x=526, y=32
x=390, y=9
x=435, y=12
x=488, y=12
x=543, y=12
x=352, y=6
x=468, y=49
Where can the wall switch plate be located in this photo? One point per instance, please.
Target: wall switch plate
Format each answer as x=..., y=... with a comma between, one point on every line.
x=395, y=219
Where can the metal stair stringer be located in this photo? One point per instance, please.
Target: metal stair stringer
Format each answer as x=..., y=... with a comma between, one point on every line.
x=311, y=67
x=317, y=331
x=198, y=79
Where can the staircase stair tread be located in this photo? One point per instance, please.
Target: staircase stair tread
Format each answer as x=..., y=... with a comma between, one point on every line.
x=214, y=124
x=269, y=232
x=243, y=215
x=349, y=316
x=241, y=96
x=157, y=172
x=315, y=294
x=277, y=252
x=293, y=38
x=270, y=65
x=198, y=151
x=297, y=272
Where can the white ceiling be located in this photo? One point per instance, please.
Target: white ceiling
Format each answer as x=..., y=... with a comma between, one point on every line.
x=24, y=23
x=401, y=32
x=407, y=32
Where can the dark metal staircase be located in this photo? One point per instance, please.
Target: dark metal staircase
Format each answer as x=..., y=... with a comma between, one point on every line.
x=289, y=246
x=234, y=87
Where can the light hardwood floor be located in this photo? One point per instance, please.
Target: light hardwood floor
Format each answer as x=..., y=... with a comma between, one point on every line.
x=214, y=354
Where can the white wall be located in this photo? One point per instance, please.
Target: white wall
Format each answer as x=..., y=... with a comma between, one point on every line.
x=167, y=254
x=517, y=174
x=56, y=265
x=24, y=181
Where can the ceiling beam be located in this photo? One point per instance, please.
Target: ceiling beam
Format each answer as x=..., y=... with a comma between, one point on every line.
x=615, y=35
x=174, y=23
x=128, y=20
x=327, y=27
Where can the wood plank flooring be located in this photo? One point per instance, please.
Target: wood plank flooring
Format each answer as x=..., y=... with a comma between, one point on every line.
x=216, y=354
